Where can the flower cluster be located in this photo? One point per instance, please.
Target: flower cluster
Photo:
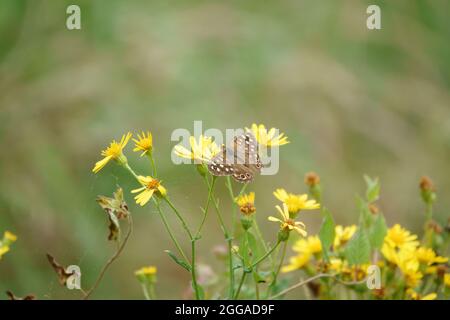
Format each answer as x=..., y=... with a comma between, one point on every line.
x=365, y=261
x=5, y=243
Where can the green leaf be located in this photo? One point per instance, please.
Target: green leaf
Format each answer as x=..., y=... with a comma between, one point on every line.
x=373, y=189
x=327, y=233
x=178, y=260
x=357, y=250
x=378, y=232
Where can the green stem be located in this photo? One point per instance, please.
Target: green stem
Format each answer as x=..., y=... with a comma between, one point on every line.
x=244, y=274
x=152, y=161
x=283, y=255
x=169, y=230
x=229, y=241
x=265, y=255
x=205, y=212
x=232, y=197
x=261, y=238
x=146, y=292
x=255, y=279
x=194, y=275
x=180, y=217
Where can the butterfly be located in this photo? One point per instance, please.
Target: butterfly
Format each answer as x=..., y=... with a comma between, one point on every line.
x=240, y=160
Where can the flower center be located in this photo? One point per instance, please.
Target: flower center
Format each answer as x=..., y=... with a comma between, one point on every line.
x=247, y=209
x=113, y=150
x=153, y=185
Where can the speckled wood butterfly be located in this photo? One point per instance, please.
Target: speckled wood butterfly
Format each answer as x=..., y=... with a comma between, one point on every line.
x=240, y=160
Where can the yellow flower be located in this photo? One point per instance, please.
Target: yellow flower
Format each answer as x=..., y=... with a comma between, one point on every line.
x=398, y=237
x=146, y=274
x=3, y=249
x=428, y=256
x=9, y=236
x=202, y=151
x=336, y=265
x=147, y=271
x=447, y=279
x=295, y=202
x=296, y=262
x=267, y=138
x=311, y=245
x=415, y=296
x=144, y=143
x=343, y=234
x=246, y=203
x=288, y=224
x=409, y=266
x=113, y=152
x=149, y=186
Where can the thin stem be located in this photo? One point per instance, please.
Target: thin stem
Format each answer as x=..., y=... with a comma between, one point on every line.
x=283, y=254
x=169, y=230
x=205, y=212
x=180, y=217
x=265, y=255
x=152, y=161
x=146, y=292
x=244, y=274
x=255, y=279
x=193, y=272
x=112, y=259
x=261, y=238
x=301, y=283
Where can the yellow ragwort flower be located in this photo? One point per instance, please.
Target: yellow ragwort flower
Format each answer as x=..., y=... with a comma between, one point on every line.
x=8, y=238
x=398, y=237
x=415, y=296
x=306, y=248
x=146, y=271
x=246, y=203
x=113, y=152
x=146, y=275
x=447, y=279
x=343, y=235
x=295, y=202
x=149, y=186
x=311, y=245
x=202, y=151
x=409, y=265
x=267, y=138
x=337, y=265
x=3, y=249
x=296, y=262
x=287, y=223
x=428, y=256
x=143, y=143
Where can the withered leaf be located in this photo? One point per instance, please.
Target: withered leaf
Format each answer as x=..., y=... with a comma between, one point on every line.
x=114, y=226
x=117, y=204
x=116, y=209
x=59, y=269
x=12, y=296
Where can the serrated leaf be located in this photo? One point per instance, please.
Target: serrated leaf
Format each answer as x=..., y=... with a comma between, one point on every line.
x=357, y=250
x=327, y=233
x=378, y=232
x=178, y=260
x=373, y=189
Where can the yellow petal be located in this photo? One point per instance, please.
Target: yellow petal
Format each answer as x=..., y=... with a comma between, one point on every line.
x=100, y=164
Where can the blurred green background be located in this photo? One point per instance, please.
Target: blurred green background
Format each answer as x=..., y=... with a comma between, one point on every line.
x=352, y=102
